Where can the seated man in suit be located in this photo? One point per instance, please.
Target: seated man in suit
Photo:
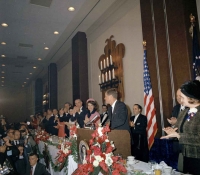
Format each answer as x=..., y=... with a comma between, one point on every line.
x=118, y=113
x=138, y=125
x=104, y=115
x=35, y=168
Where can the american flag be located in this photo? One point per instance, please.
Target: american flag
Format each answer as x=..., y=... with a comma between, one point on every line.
x=150, y=110
x=196, y=55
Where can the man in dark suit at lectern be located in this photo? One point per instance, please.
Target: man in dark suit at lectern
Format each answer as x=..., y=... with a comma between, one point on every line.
x=118, y=113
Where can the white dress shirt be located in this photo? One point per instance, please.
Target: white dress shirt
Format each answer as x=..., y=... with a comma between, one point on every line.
x=113, y=105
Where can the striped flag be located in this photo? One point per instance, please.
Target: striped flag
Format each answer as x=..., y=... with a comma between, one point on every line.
x=150, y=110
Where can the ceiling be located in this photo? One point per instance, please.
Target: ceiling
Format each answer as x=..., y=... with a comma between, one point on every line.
x=31, y=27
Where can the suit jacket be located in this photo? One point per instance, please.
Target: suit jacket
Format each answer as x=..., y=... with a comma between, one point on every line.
x=190, y=134
x=80, y=117
x=119, y=117
x=140, y=125
x=103, y=122
x=39, y=170
x=176, y=110
x=52, y=123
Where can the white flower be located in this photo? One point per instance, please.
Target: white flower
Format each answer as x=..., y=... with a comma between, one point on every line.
x=98, y=158
x=100, y=131
x=198, y=78
x=108, y=160
x=106, y=140
x=65, y=151
x=95, y=163
x=192, y=110
x=97, y=144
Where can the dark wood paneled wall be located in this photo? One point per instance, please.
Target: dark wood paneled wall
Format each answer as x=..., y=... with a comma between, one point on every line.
x=80, y=67
x=180, y=48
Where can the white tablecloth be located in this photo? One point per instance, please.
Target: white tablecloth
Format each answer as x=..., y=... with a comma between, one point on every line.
x=72, y=165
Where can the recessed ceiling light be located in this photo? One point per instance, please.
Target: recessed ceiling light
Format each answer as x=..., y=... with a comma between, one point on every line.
x=71, y=9
x=2, y=77
x=3, y=56
x=27, y=78
x=4, y=25
x=56, y=32
x=2, y=72
x=46, y=48
x=34, y=67
x=24, y=82
x=30, y=73
x=2, y=81
x=39, y=59
x=3, y=43
x=3, y=65
x=22, y=85
x=2, y=85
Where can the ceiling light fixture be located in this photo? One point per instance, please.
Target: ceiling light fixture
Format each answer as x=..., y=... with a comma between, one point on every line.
x=24, y=82
x=2, y=77
x=4, y=25
x=2, y=72
x=22, y=85
x=3, y=56
x=56, y=32
x=46, y=48
x=34, y=67
x=27, y=78
x=71, y=9
x=2, y=81
x=3, y=65
x=3, y=43
x=39, y=59
x=30, y=73
x=2, y=85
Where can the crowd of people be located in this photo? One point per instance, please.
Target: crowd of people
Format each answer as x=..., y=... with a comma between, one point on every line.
x=18, y=146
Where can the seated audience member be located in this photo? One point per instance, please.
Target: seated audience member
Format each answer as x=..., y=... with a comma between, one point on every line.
x=10, y=134
x=92, y=112
x=138, y=125
x=47, y=125
x=21, y=162
x=34, y=121
x=104, y=115
x=117, y=112
x=2, y=153
x=12, y=153
x=80, y=115
x=34, y=167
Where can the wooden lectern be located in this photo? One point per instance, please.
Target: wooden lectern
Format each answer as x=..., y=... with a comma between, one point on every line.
x=121, y=139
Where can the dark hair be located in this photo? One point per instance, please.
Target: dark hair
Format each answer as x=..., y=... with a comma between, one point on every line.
x=94, y=103
x=72, y=107
x=68, y=103
x=105, y=106
x=140, y=107
x=112, y=92
x=33, y=154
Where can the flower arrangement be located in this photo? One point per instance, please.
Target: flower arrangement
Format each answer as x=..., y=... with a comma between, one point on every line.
x=41, y=136
x=100, y=156
x=64, y=152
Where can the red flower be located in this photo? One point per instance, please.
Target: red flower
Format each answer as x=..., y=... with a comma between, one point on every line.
x=97, y=151
x=109, y=149
x=103, y=166
x=89, y=152
x=90, y=167
x=106, y=129
x=115, y=158
x=91, y=142
x=115, y=172
x=95, y=134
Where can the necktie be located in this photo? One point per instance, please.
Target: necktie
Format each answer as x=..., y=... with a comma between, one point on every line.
x=31, y=170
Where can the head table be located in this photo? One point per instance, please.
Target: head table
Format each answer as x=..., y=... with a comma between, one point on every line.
x=72, y=165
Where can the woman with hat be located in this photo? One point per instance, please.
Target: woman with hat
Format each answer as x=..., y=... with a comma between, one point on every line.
x=188, y=127
x=92, y=114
